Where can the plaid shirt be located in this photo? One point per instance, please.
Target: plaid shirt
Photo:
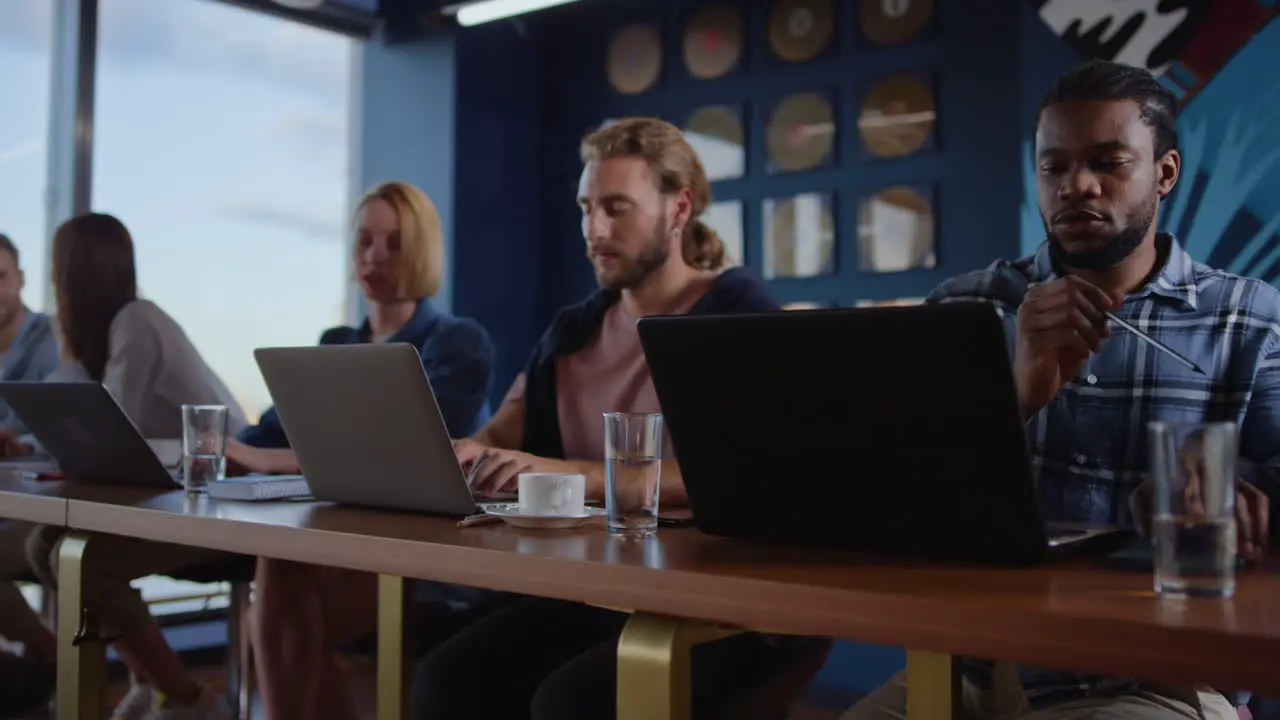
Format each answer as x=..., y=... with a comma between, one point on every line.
x=1089, y=445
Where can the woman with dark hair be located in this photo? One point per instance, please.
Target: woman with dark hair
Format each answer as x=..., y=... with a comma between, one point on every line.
x=149, y=365
x=128, y=344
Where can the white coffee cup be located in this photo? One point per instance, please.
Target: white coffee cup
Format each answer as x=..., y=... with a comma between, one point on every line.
x=552, y=494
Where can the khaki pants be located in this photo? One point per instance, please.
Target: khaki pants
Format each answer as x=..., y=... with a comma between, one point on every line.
x=1006, y=701
x=18, y=622
x=110, y=564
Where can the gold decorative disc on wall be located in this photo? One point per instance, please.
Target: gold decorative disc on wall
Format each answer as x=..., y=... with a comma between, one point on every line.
x=889, y=22
x=791, y=254
x=635, y=58
x=717, y=121
x=713, y=41
x=800, y=30
x=716, y=133
x=895, y=231
x=802, y=132
x=898, y=115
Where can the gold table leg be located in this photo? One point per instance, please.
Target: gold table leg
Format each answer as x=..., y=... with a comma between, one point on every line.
x=82, y=660
x=394, y=628
x=654, y=681
x=933, y=686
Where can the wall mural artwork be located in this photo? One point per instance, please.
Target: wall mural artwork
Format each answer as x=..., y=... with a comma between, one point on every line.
x=1226, y=207
x=1185, y=42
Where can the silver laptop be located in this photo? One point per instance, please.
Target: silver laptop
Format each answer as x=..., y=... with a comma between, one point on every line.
x=366, y=429
x=84, y=429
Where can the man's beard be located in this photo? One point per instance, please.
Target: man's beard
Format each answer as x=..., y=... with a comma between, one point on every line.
x=1118, y=246
x=631, y=273
x=9, y=313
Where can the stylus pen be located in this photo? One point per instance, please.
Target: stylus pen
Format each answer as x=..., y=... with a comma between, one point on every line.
x=33, y=475
x=1155, y=343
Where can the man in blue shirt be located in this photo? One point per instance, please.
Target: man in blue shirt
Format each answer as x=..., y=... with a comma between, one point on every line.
x=28, y=351
x=28, y=346
x=1106, y=154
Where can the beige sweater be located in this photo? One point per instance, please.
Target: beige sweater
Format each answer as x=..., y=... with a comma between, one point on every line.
x=153, y=370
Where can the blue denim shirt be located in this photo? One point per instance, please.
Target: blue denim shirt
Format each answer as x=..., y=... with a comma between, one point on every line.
x=1089, y=445
x=32, y=357
x=457, y=355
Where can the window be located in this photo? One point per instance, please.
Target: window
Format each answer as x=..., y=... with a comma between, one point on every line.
x=221, y=141
x=26, y=35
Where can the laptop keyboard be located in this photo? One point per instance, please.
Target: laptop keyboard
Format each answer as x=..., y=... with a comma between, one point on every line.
x=1066, y=533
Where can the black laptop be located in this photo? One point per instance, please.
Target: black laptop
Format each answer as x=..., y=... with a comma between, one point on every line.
x=885, y=430
x=84, y=429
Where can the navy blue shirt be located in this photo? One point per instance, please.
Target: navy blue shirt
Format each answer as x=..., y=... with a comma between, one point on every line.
x=457, y=355
x=735, y=291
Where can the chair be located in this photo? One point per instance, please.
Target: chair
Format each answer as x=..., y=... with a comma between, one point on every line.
x=237, y=570
x=773, y=698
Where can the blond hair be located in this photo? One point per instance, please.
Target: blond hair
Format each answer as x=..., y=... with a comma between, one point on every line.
x=674, y=166
x=421, y=265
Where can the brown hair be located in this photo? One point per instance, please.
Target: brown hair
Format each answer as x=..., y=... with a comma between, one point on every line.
x=93, y=278
x=421, y=265
x=675, y=167
x=7, y=245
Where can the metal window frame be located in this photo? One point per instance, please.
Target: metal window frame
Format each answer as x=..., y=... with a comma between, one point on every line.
x=355, y=305
x=69, y=150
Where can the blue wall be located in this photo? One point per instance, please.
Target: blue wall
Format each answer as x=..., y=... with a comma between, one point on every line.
x=405, y=123
x=457, y=114
x=526, y=97
x=487, y=120
x=976, y=86
x=494, y=115
x=497, y=229
x=526, y=92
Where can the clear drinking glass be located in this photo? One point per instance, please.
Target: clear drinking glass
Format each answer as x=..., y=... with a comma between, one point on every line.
x=1193, y=474
x=204, y=446
x=633, y=471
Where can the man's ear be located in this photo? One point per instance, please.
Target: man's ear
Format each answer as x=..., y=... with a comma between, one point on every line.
x=1168, y=170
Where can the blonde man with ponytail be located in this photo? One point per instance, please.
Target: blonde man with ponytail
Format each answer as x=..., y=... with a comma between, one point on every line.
x=642, y=192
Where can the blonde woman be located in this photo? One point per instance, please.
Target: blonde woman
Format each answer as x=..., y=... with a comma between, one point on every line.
x=302, y=612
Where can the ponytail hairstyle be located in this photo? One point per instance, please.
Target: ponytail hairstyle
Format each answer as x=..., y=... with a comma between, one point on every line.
x=675, y=167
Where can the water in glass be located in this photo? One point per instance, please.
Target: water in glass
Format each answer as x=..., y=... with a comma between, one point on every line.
x=1193, y=510
x=632, y=483
x=199, y=470
x=1195, y=555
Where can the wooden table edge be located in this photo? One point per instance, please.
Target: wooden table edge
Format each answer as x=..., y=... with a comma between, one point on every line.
x=33, y=507
x=882, y=618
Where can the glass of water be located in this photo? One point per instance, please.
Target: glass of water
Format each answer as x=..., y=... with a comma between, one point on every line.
x=204, y=446
x=633, y=471
x=1193, y=473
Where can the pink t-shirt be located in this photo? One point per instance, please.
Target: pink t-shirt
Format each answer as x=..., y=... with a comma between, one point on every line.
x=610, y=374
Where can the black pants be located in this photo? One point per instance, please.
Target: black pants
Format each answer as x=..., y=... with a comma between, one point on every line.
x=551, y=660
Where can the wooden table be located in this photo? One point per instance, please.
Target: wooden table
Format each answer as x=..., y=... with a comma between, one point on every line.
x=685, y=587
x=34, y=501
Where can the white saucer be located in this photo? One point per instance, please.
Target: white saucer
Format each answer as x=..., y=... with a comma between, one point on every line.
x=512, y=515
